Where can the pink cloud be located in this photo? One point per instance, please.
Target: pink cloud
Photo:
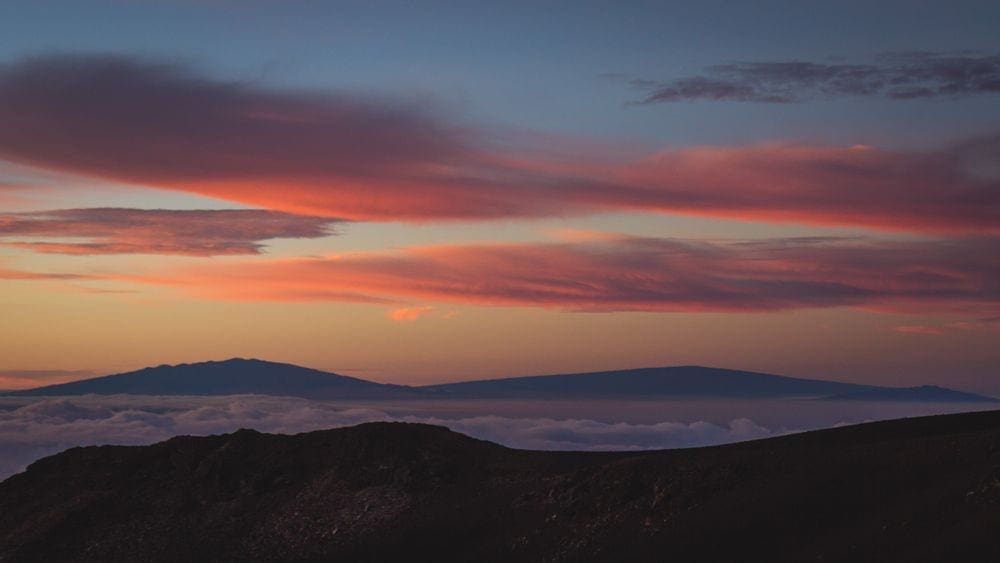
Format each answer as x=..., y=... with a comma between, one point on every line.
x=352, y=157
x=157, y=231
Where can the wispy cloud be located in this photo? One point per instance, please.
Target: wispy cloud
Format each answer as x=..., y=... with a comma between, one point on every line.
x=15, y=274
x=361, y=158
x=630, y=274
x=900, y=76
x=157, y=231
x=919, y=329
x=981, y=323
x=969, y=324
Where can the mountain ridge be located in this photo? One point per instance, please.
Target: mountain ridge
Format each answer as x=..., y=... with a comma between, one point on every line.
x=252, y=376
x=691, y=381
x=226, y=377
x=395, y=491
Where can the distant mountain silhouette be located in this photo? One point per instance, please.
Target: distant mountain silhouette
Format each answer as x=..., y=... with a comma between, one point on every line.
x=229, y=377
x=913, y=490
x=928, y=393
x=240, y=376
x=686, y=381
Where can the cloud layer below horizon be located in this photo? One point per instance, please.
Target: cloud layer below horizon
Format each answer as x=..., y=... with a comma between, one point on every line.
x=347, y=156
x=48, y=426
x=34, y=428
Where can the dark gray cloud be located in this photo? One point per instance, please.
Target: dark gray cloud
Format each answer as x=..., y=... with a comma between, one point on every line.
x=157, y=118
x=919, y=74
x=157, y=231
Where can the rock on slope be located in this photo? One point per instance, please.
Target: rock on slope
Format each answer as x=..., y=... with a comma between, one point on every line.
x=924, y=489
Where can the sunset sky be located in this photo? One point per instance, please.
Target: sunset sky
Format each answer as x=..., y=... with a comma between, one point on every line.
x=420, y=192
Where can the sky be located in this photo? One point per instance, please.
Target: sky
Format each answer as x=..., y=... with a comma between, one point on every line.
x=437, y=191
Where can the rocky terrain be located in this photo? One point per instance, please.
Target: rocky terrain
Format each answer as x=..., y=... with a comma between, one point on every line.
x=924, y=489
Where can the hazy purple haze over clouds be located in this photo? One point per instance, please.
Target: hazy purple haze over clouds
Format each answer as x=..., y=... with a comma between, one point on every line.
x=31, y=428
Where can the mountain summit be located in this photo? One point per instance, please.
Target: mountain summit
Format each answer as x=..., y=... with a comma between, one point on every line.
x=691, y=381
x=242, y=376
x=229, y=377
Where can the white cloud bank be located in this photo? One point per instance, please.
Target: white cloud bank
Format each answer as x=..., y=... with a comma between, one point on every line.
x=31, y=430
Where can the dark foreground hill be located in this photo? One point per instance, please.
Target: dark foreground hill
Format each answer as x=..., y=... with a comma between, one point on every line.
x=925, y=489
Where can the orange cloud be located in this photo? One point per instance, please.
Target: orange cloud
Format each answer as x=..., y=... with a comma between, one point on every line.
x=630, y=274
x=409, y=314
x=27, y=379
x=343, y=156
x=24, y=275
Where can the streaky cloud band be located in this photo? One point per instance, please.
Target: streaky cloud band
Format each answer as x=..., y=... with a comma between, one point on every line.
x=630, y=274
